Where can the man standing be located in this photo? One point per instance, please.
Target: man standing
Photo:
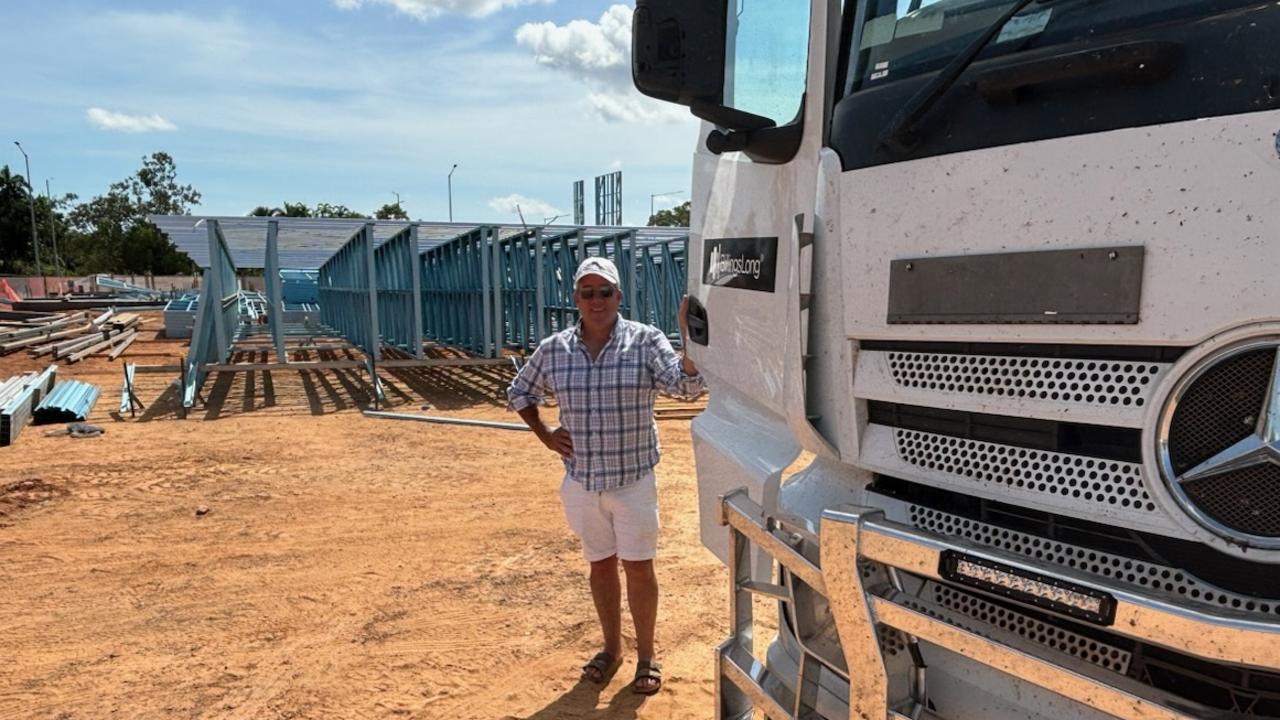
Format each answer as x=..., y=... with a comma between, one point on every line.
x=605, y=373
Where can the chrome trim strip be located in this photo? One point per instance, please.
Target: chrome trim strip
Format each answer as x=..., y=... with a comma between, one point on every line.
x=1221, y=637
x=1086, y=690
x=747, y=674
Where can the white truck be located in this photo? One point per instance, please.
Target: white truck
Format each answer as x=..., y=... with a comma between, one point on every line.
x=1005, y=274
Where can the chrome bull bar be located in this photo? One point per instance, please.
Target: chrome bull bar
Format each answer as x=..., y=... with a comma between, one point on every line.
x=852, y=534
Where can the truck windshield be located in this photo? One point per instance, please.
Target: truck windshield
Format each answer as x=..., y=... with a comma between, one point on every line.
x=903, y=38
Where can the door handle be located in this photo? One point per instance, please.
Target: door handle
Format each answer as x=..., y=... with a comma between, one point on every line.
x=699, y=324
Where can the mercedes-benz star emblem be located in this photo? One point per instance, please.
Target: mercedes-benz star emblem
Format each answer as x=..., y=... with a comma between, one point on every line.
x=1263, y=446
x=1218, y=443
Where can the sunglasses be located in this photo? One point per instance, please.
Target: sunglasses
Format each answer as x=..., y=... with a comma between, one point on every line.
x=589, y=293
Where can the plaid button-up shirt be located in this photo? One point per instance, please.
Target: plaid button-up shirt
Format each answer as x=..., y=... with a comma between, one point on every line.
x=606, y=405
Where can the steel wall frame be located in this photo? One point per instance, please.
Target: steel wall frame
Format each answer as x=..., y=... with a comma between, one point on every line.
x=455, y=287
x=399, y=291
x=487, y=294
x=217, y=316
x=349, y=298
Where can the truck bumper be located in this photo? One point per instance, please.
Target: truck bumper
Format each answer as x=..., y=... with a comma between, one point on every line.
x=853, y=537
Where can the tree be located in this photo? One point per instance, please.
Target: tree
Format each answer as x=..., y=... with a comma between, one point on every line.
x=391, y=211
x=15, y=222
x=111, y=232
x=677, y=216
x=289, y=210
x=325, y=210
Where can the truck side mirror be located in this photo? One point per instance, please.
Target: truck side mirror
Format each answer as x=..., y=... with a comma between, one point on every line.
x=677, y=50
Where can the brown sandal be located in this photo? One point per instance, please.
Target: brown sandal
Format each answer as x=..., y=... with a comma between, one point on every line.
x=604, y=665
x=647, y=670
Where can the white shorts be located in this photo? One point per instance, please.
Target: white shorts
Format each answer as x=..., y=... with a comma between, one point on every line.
x=622, y=522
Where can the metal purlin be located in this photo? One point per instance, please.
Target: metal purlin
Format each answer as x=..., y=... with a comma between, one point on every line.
x=399, y=291
x=217, y=316
x=349, y=299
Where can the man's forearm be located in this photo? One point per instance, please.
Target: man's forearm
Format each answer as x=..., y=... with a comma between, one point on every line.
x=530, y=417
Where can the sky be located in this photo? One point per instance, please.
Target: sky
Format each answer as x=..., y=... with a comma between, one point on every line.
x=342, y=101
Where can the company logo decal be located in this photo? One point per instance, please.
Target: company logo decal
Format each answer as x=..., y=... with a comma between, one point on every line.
x=744, y=263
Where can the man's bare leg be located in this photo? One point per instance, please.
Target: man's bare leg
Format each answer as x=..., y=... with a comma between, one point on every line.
x=606, y=592
x=642, y=596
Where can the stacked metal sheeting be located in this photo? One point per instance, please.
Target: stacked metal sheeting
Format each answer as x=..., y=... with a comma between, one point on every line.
x=70, y=401
x=180, y=316
x=300, y=286
x=18, y=398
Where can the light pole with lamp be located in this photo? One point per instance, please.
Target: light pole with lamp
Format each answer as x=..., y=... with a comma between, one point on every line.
x=658, y=195
x=393, y=192
x=450, y=178
x=31, y=195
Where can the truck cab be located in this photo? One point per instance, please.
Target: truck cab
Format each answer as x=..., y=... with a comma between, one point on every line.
x=986, y=298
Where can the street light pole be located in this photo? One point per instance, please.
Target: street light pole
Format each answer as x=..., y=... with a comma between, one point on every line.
x=31, y=195
x=658, y=195
x=53, y=228
x=455, y=167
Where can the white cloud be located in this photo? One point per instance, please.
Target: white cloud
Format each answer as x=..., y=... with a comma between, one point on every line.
x=429, y=9
x=120, y=122
x=535, y=211
x=599, y=56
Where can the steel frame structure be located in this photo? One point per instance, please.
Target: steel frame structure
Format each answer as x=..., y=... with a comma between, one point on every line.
x=486, y=292
x=399, y=291
x=217, y=316
x=485, y=289
x=349, y=298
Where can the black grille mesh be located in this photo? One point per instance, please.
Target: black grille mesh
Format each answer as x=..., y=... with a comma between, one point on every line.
x=1219, y=409
x=1245, y=500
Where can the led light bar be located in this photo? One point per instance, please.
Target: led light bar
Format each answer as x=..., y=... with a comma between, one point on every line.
x=1028, y=587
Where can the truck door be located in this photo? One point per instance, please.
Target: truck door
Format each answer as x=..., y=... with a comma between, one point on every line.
x=757, y=74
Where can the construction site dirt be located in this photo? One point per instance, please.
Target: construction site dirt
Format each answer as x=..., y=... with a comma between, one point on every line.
x=279, y=555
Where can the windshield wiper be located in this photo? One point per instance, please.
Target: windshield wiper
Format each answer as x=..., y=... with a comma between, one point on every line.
x=900, y=135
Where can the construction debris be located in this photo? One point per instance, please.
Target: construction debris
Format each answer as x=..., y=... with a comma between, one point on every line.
x=78, y=430
x=69, y=401
x=72, y=336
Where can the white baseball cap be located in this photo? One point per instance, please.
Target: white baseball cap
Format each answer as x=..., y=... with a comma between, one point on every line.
x=601, y=266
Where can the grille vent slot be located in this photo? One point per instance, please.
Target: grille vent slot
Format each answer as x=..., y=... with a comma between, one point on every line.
x=1114, y=567
x=1070, y=476
x=1092, y=382
x=1037, y=631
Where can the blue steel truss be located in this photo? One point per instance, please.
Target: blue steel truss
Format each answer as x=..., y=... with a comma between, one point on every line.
x=217, y=316
x=399, y=291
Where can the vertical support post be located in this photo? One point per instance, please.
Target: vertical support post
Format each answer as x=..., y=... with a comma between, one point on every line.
x=412, y=261
x=375, y=340
x=274, y=291
x=540, y=287
x=217, y=293
x=635, y=279
x=499, y=285
x=486, y=286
